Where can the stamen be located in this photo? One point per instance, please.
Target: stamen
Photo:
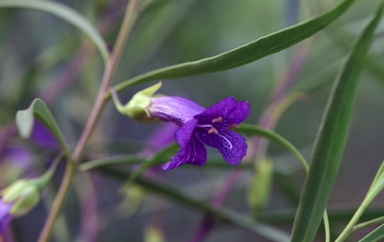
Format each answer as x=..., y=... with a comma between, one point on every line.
x=217, y=120
x=229, y=142
x=233, y=126
x=213, y=130
x=204, y=126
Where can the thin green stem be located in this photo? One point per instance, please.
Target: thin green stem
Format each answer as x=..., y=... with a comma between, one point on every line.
x=42, y=181
x=359, y=212
x=109, y=74
x=58, y=202
x=378, y=220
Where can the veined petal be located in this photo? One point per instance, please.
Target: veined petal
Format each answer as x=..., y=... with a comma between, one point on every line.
x=220, y=109
x=174, y=109
x=185, y=133
x=231, y=145
x=193, y=153
x=239, y=113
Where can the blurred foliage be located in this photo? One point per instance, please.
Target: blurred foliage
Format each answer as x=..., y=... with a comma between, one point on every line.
x=43, y=56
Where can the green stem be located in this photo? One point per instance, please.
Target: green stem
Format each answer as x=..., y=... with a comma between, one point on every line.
x=109, y=73
x=58, y=202
x=42, y=181
x=378, y=220
x=359, y=212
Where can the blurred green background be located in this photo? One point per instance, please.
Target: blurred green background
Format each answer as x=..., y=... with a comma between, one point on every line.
x=41, y=54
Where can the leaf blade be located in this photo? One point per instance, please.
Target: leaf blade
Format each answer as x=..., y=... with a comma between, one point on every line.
x=40, y=111
x=375, y=235
x=331, y=138
x=187, y=200
x=245, y=54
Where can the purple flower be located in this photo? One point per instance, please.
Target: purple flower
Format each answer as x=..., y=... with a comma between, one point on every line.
x=5, y=217
x=199, y=126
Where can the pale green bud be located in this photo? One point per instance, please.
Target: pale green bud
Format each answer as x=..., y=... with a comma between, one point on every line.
x=23, y=194
x=137, y=107
x=153, y=234
x=258, y=193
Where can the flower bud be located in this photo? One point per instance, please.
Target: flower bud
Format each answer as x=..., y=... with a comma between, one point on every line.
x=259, y=189
x=137, y=107
x=23, y=195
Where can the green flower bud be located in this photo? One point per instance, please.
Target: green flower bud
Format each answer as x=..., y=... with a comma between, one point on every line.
x=137, y=107
x=258, y=193
x=153, y=234
x=23, y=194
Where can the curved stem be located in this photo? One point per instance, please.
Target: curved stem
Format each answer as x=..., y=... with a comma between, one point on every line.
x=71, y=168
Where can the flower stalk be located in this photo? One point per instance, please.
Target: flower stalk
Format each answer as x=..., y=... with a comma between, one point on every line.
x=109, y=74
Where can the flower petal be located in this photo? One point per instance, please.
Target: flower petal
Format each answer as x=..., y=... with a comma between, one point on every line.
x=239, y=113
x=5, y=217
x=184, y=134
x=193, y=153
x=231, y=145
x=220, y=109
x=177, y=110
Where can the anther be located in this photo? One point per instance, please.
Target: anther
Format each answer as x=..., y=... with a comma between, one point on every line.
x=217, y=120
x=213, y=130
x=233, y=126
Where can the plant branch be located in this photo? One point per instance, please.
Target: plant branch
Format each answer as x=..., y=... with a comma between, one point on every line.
x=109, y=74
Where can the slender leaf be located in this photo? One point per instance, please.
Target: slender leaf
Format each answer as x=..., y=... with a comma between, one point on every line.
x=171, y=149
x=163, y=155
x=331, y=139
x=111, y=161
x=221, y=213
x=375, y=235
x=245, y=54
x=212, y=162
x=40, y=111
x=67, y=14
x=336, y=215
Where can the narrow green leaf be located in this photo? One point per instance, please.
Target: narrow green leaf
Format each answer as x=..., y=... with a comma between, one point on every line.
x=331, y=139
x=163, y=155
x=336, y=215
x=245, y=54
x=375, y=235
x=254, y=130
x=67, y=14
x=111, y=161
x=220, y=213
x=40, y=111
x=212, y=162
x=171, y=149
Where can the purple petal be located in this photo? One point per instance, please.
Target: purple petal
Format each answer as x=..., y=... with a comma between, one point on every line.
x=220, y=109
x=5, y=217
x=161, y=137
x=239, y=113
x=193, y=153
x=184, y=134
x=231, y=145
x=174, y=109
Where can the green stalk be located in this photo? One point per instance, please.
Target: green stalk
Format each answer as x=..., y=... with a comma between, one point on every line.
x=109, y=74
